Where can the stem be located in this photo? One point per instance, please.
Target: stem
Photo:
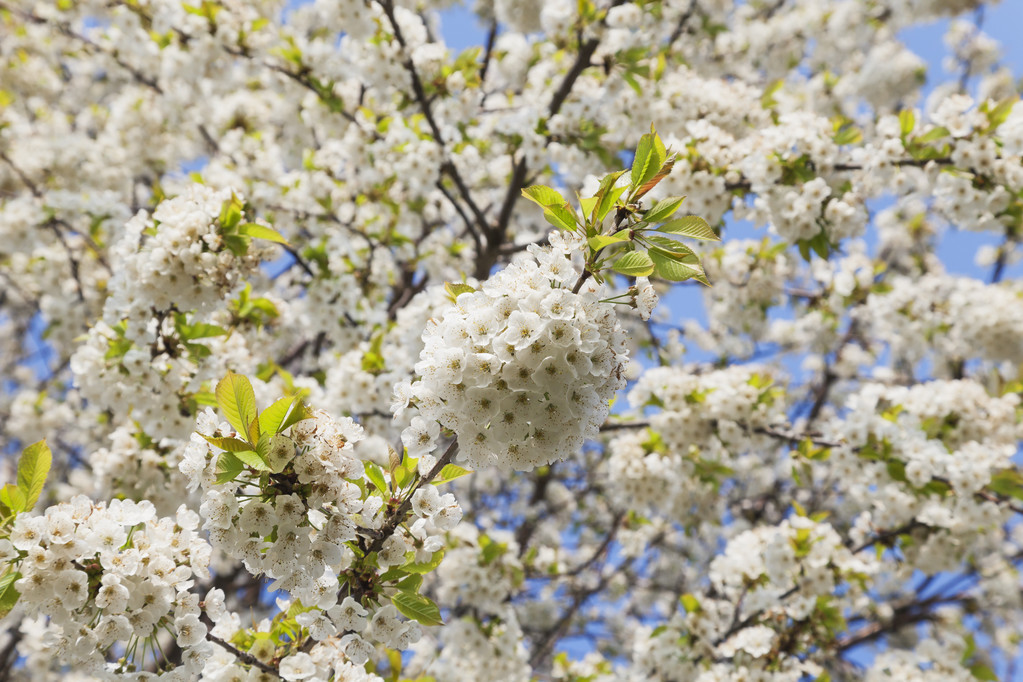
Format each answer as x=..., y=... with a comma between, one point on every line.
x=582, y=279
x=399, y=514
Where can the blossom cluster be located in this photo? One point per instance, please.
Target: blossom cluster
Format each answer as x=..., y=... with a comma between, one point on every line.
x=706, y=428
x=113, y=576
x=312, y=505
x=523, y=369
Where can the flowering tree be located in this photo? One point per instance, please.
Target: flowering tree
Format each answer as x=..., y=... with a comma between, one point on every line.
x=353, y=365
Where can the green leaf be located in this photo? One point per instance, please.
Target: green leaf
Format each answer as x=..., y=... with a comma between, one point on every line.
x=376, y=476
x=907, y=121
x=997, y=116
x=634, y=264
x=652, y=182
x=671, y=268
x=983, y=672
x=492, y=551
x=456, y=289
x=33, y=466
x=298, y=413
x=544, y=196
x=971, y=647
x=402, y=474
x=200, y=330
x=607, y=195
x=236, y=244
x=252, y=459
x=767, y=100
x=271, y=418
x=12, y=498
x=205, y=398
x=820, y=245
x=560, y=217
x=449, y=473
x=690, y=226
x=604, y=240
x=257, y=231
x=418, y=608
x=848, y=134
x=426, y=566
x=8, y=594
x=663, y=209
x=410, y=583
x=229, y=444
x=262, y=441
x=932, y=135
x=237, y=401
x=804, y=249
x=229, y=467
x=230, y=215
x=650, y=155
x=587, y=204
x=254, y=432
x=672, y=246
x=690, y=603
x=1007, y=482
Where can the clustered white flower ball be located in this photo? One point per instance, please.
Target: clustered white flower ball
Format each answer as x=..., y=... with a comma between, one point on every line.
x=523, y=369
x=110, y=574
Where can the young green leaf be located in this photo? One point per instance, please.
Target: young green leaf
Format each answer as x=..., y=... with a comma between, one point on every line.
x=271, y=418
x=672, y=268
x=418, y=608
x=254, y=432
x=229, y=467
x=230, y=215
x=229, y=444
x=691, y=226
x=932, y=135
x=652, y=182
x=544, y=196
x=455, y=289
x=237, y=401
x=8, y=594
x=410, y=583
x=257, y=231
x=253, y=459
x=634, y=264
x=12, y=498
x=298, y=413
x=33, y=466
x=449, y=473
x=907, y=121
x=376, y=475
x=604, y=240
x=662, y=210
x=670, y=245
x=649, y=159
x=426, y=566
x=607, y=195
x=560, y=217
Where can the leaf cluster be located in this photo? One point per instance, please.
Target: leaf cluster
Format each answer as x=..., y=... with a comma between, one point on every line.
x=622, y=235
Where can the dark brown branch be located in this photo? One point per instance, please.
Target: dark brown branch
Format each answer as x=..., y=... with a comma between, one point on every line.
x=242, y=656
x=398, y=515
